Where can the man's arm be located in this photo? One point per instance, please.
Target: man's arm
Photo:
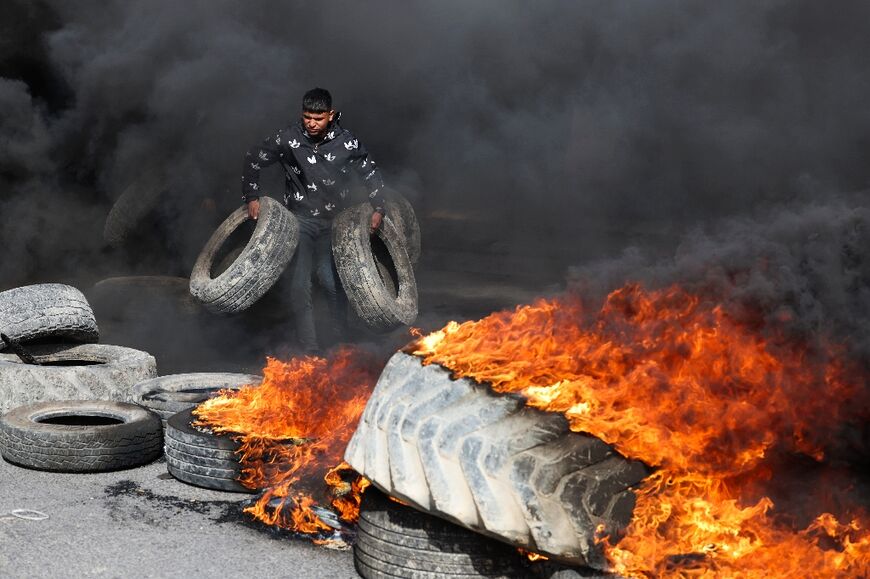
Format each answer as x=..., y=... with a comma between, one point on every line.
x=263, y=155
x=372, y=181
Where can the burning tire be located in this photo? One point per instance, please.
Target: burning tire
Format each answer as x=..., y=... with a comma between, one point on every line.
x=201, y=459
x=410, y=225
x=397, y=541
x=457, y=450
x=168, y=395
x=354, y=248
x=257, y=267
x=83, y=372
x=47, y=311
x=134, y=203
x=80, y=436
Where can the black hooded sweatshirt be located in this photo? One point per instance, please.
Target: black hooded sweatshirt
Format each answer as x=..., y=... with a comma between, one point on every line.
x=320, y=177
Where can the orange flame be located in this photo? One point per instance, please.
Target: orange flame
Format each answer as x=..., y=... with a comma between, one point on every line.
x=293, y=430
x=670, y=378
x=532, y=556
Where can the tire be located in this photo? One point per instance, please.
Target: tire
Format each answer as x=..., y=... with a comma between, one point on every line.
x=119, y=298
x=397, y=541
x=168, y=395
x=47, y=311
x=457, y=450
x=131, y=207
x=374, y=301
x=554, y=570
x=257, y=268
x=397, y=203
x=201, y=459
x=83, y=372
x=29, y=438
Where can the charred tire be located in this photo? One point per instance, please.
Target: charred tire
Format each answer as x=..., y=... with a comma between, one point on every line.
x=397, y=541
x=47, y=311
x=201, y=459
x=80, y=436
x=131, y=207
x=372, y=299
x=455, y=449
x=168, y=395
x=410, y=225
x=257, y=268
x=83, y=372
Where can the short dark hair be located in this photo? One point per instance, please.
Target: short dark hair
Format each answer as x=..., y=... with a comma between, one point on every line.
x=317, y=100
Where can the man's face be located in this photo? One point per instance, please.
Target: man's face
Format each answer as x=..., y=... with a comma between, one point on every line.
x=316, y=123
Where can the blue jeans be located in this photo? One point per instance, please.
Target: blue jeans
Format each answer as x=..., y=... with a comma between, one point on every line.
x=314, y=256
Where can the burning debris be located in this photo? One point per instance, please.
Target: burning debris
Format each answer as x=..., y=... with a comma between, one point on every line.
x=668, y=377
x=293, y=429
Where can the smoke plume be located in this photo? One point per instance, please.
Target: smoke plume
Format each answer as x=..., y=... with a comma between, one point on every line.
x=564, y=130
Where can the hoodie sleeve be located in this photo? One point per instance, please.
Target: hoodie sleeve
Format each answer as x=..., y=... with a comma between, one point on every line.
x=369, y=175
x=266, y=153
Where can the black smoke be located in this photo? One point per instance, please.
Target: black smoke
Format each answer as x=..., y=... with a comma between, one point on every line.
x=566, y=131
x=803, y=269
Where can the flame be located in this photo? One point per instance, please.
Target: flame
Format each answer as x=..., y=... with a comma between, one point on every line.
x=670, y=378
x=532, y=556
x=293, y=429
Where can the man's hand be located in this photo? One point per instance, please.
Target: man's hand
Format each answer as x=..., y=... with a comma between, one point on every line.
x=253, y=209
x=377, y=218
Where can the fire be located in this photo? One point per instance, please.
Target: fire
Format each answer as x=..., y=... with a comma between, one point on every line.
x=531, y=556
x=712, y=401
x=293, y=429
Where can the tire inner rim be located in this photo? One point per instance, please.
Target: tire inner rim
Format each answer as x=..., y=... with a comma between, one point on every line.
x=79, y=419
x=56, y=362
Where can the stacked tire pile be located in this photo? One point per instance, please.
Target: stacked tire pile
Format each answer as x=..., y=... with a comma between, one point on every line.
x=65, y=398
x=70, y=404
x=194, y=456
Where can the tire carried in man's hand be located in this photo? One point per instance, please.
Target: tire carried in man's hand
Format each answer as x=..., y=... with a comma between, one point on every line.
x=82, y=372
x=454, y=448
x=394, y=540
x=200, y=458
x=168, y=395
x=256, y=269
x=80, y=436
x=410, y=225
x=47, y=311
x=353, y=248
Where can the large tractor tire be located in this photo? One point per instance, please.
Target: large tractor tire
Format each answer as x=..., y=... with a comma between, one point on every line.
x=383, y=304
x=83, y=372
x=80, y=436
x=257, y=267
x=47, y=311
x=485, y=461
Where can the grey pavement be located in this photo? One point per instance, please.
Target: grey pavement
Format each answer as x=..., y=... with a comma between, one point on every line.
x=143, y=523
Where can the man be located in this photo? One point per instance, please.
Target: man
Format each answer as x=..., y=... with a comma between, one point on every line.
x=324, y=166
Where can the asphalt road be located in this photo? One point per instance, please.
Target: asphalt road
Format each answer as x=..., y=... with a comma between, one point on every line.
x=143, y=523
